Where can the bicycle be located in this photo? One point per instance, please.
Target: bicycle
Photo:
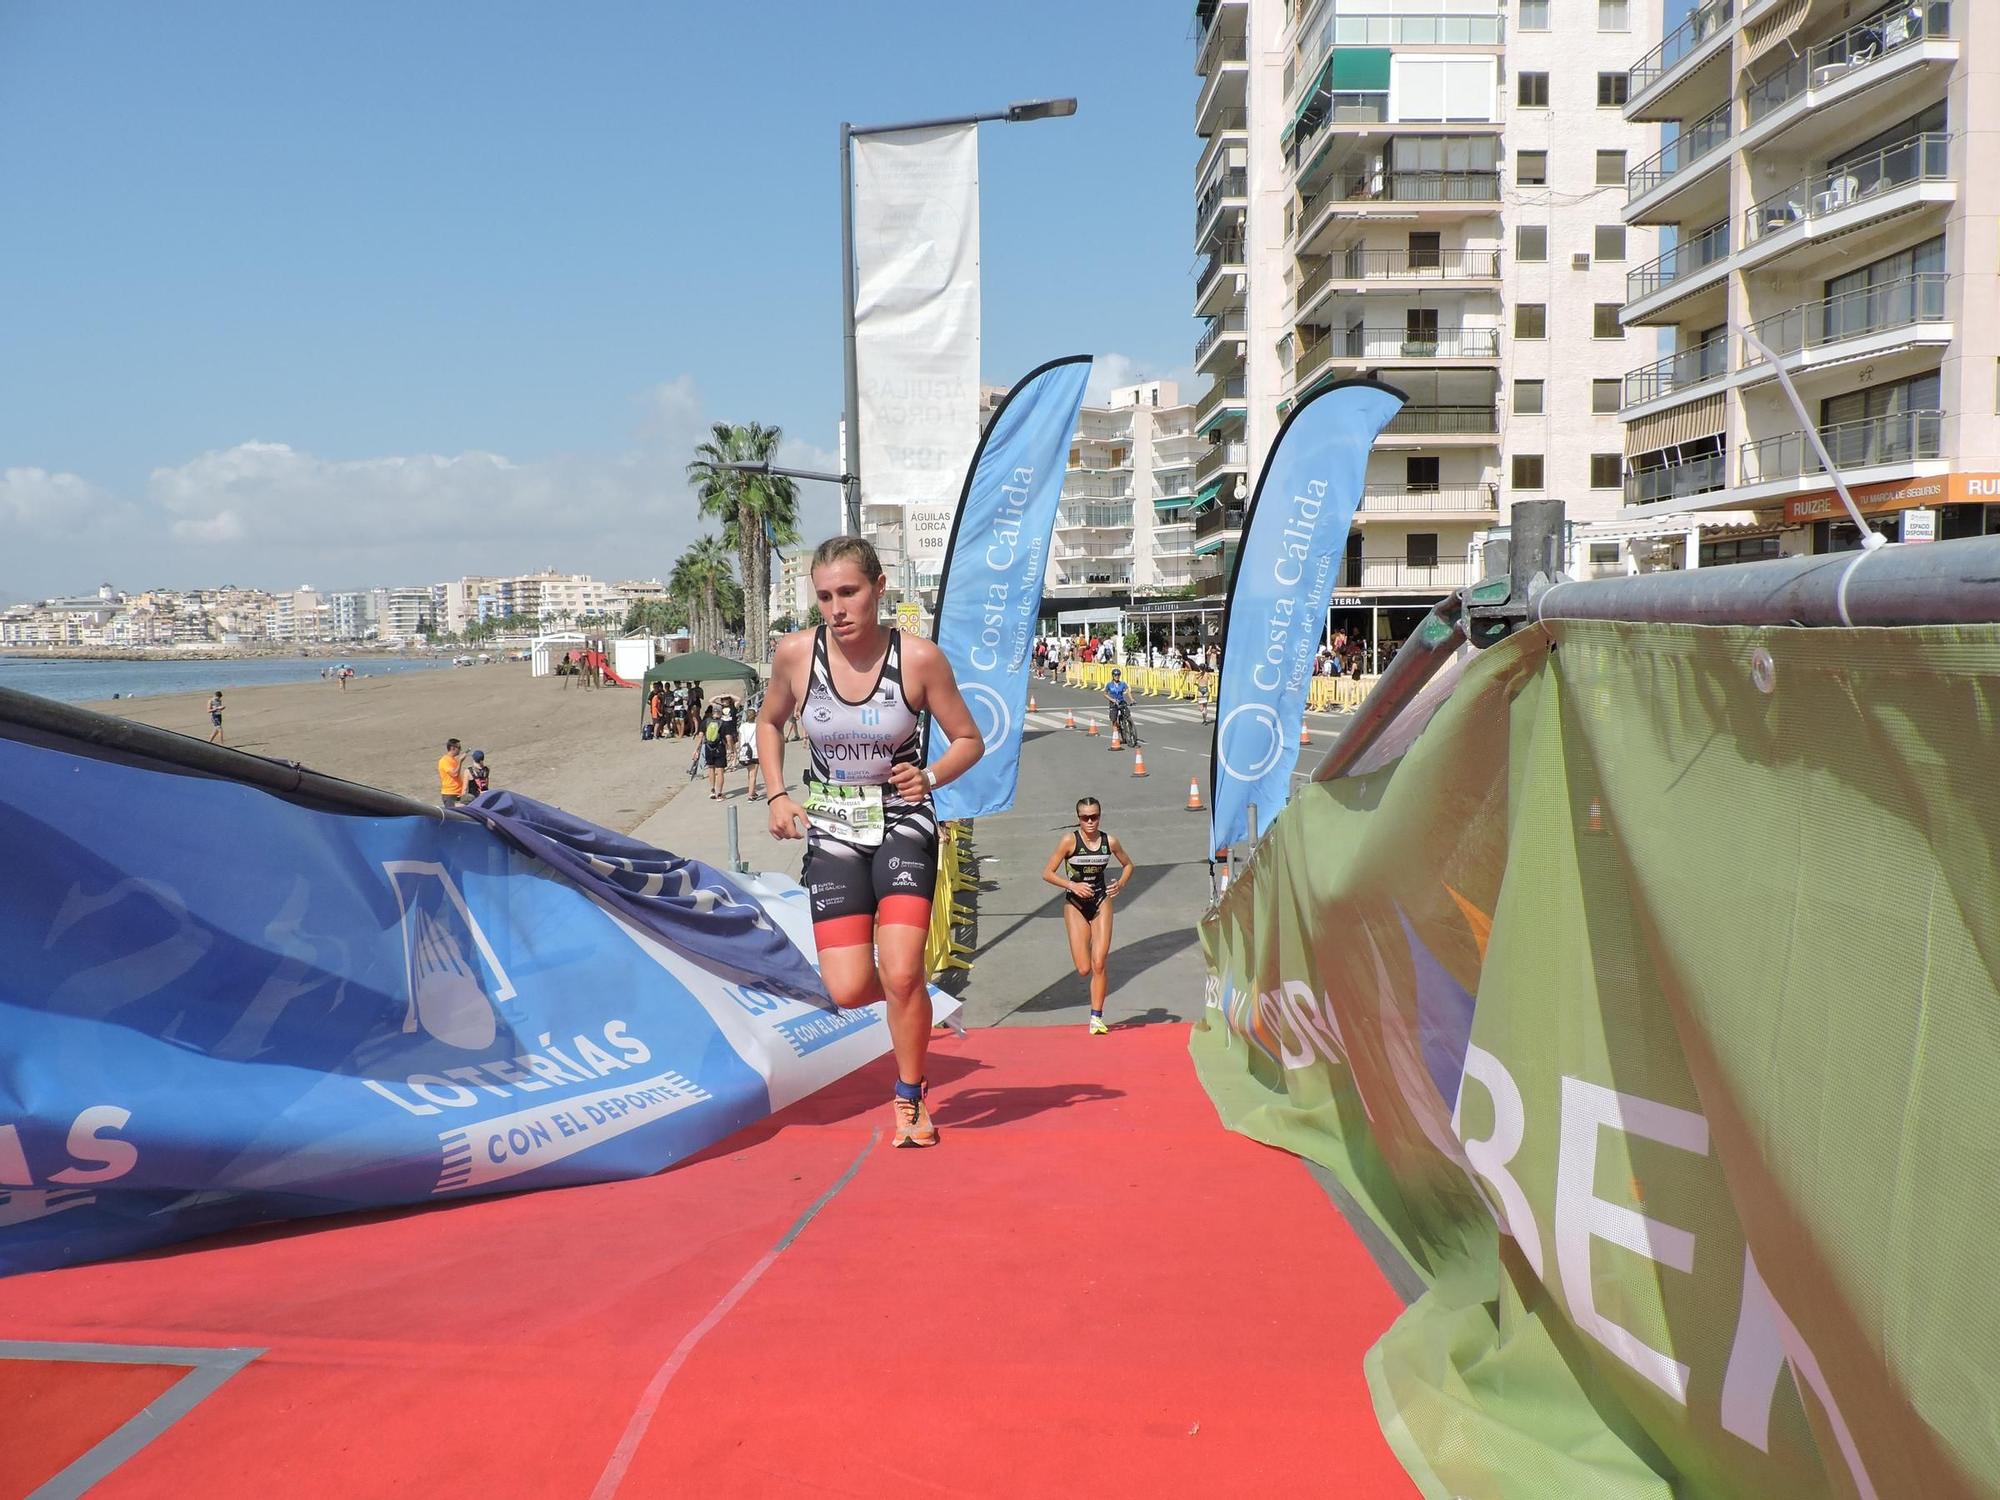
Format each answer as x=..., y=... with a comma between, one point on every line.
x=1121, y=721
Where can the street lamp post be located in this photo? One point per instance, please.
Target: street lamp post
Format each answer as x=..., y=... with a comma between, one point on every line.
x=850, y=458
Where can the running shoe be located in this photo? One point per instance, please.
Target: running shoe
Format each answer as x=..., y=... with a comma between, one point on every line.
x=1098, y=1028
x=913, y=1122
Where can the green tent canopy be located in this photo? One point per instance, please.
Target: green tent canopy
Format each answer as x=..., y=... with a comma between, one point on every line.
x=699, y=666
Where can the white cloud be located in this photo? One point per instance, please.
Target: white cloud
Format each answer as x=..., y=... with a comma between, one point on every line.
x=38, y=503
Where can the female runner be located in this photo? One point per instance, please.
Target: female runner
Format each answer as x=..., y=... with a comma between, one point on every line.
x=865, y=806
x=1087, y=900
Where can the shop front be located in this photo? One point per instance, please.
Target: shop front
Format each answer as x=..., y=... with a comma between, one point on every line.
x=1938, y=507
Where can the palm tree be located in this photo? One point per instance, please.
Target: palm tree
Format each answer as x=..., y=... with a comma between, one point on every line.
x=759, y=512
x=699, y=579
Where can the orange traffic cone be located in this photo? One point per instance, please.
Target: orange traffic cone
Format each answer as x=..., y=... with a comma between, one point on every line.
x=1138, y=763
x=1031, y=703
x=1194, y=795
x=1305, y=734
x=1069, y=718
x=1116, y=742
x=1093, y=726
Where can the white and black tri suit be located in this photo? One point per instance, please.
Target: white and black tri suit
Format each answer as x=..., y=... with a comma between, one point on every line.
x=1089, y=864
x=871, y=855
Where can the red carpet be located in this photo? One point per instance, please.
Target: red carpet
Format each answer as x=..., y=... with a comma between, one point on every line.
x=1089, y=1288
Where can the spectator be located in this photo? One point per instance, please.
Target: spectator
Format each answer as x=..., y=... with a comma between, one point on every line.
x=451, y=775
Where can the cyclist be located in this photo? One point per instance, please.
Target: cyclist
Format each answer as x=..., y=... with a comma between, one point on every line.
x=870, y=828
x=1117, y=695
x=1087, y=856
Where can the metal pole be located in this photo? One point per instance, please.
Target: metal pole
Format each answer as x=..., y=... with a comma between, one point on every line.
x=1934, y=583
x=735, y=846
x=850, y=458
x=1429, y=647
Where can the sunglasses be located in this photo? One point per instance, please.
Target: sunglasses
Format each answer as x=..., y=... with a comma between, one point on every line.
x=1088, y=817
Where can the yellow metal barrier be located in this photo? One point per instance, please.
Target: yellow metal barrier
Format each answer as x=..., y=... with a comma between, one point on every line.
x=958, y=872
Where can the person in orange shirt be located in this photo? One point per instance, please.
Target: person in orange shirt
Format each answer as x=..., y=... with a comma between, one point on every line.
x=451, y=775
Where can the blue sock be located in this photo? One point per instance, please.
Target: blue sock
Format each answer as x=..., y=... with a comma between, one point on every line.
x=910, y=1091
x=1098, y=1012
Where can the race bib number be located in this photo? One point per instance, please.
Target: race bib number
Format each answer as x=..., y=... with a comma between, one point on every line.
x=852, y=814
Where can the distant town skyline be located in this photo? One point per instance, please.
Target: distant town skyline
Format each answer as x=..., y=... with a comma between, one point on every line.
x=384, y=292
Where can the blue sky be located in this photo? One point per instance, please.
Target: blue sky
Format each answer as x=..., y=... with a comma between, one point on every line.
x=380, y=293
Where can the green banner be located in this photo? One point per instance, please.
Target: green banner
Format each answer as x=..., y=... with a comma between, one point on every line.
x=1647, y=1004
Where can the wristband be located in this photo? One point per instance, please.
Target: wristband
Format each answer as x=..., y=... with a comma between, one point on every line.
x=930, y=778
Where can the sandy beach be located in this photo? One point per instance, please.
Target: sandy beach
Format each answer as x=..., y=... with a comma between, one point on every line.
x=578, y=749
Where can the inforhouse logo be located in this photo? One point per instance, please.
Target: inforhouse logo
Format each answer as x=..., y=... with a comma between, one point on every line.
x=453, y=977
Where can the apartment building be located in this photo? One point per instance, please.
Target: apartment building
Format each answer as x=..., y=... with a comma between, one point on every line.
x=1832, y=197
x=1122, y=526
x=1404, y=189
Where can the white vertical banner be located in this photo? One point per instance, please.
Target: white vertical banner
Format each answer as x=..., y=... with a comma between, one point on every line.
x=916, y=319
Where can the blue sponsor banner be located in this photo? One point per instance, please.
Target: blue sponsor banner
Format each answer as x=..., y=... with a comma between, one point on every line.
x=995, y=565
x=220, y=1006
x=1294, y=535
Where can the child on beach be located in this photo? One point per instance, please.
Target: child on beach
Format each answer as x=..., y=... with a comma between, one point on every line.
x=477, y=775
x=215, y=718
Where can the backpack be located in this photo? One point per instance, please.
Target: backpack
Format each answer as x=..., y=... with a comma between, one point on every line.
x=713, y=732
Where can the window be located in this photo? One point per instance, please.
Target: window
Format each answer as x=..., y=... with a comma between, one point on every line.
x=1420, y=326
x=1604, y=395
x=1531, y=242
x=1614, y=15
x=1610, y=168
x=1531, y=320
x=1607, y=470
x=1527, y=471
x=1420, y=475
x=1611, y=90
x=1527, y=398
x=1604, y=322
x=1421, y=549
x=1886, y=293
x=1610, y=242
x=1531, y=168
x=1738, y=550
x=1457, y=89
x=1533, y=91
x=1426, y=250
x=1534, y=15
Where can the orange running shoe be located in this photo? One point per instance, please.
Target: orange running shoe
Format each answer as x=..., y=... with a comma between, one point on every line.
x=914, y=1126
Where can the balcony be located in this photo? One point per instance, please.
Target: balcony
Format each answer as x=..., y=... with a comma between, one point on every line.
x=1227, y=189
x=1688, y=45
x=1678, y=157
x=1230, y=322
x=1838, y=199
x=1093, y=517
x=1901, y=438
x=1227, y=123
x=1688, y=259
x=1326, y=213
x=1865, y=47
x=1418, y=31
x=1400, y=345
x=1216, y=520
x=1833, y=322
x=1226, y=74
x=1444, y=421
x=1217, y=276
x=1222, y=396
x=1221, y=456
x=1695, y=476
x=1384, y=500
x=1679, y=372
x=1075, y=488
x=1401, y=573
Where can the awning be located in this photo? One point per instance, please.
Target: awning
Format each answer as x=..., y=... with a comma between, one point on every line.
x=1676, y=525
x=1220, y=415
x=1684, y=424
x=1768, y=33
x=1347, y=70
